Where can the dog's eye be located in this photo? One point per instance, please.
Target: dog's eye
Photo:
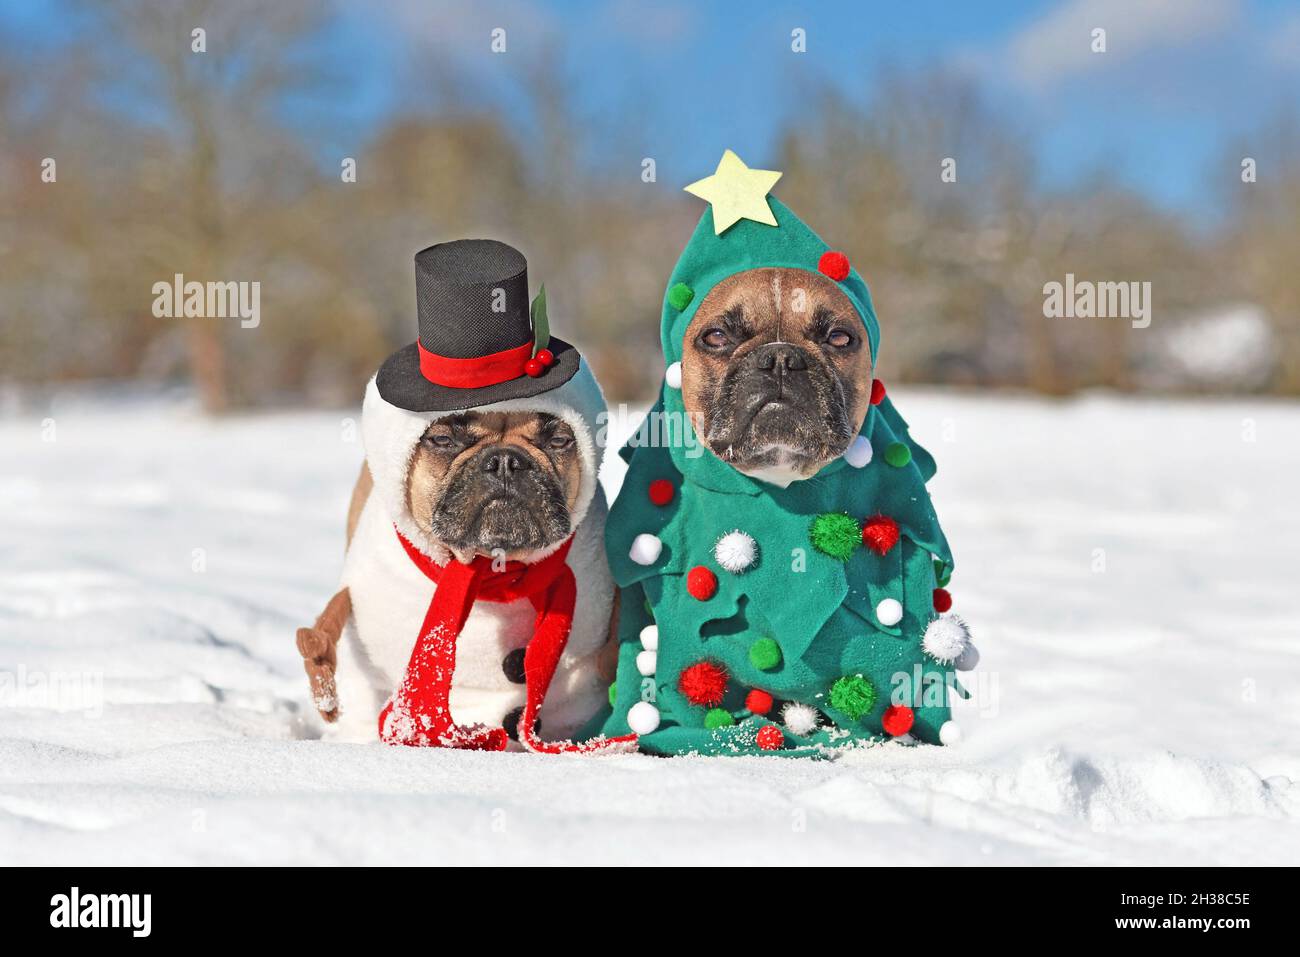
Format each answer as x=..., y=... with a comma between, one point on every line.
x=715, y=339
x=839, y=339
x=559, y=442
x=438, y=440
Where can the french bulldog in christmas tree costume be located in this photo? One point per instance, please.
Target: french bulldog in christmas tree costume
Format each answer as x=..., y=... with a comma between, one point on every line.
x=782, y=569
x=476, y=598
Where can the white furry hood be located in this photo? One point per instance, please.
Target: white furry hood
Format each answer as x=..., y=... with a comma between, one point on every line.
x=391, y=435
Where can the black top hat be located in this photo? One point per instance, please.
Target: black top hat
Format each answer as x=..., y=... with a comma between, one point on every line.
x=479, y=340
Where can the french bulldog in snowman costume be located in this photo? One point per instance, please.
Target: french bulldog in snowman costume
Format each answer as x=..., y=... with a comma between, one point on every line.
x=475, y=599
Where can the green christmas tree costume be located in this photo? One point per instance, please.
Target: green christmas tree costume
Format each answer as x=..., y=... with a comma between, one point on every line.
x=764, y=620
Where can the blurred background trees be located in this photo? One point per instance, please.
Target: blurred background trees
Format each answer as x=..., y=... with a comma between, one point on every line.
x=170, y=163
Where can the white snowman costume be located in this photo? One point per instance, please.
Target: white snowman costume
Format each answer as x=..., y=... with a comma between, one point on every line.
x=390, y=594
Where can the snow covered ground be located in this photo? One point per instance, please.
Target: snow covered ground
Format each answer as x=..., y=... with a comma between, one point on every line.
x=1129, y=568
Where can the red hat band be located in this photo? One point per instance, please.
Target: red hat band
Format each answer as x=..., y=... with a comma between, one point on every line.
x=477, y=372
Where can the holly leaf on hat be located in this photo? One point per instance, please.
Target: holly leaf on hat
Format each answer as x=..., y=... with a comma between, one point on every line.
x=541, y=325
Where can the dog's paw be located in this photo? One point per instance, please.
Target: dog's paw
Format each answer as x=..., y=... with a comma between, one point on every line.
x=319, y=652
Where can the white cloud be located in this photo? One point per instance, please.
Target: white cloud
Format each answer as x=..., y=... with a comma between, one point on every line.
x=1059, y=44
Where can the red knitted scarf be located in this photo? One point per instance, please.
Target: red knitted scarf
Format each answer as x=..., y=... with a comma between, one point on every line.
x=419, y=712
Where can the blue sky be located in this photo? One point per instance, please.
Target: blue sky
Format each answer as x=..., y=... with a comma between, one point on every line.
x=1180, y=81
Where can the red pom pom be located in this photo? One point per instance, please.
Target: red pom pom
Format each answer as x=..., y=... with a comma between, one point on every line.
x=534, y=368
x=701, y=583
x=661, y=491
x=758, y=702
x=703, y=683
x=879, y=533
x=877, y=391
x=942, y=599
x=770, y=738
x=546, y=357
x=833, y=264
x=897, y=719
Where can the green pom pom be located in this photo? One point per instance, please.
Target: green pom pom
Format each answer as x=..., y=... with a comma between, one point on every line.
x=941, y=575
x=765, y=654
x=718, y=718
x=613, y=693
x=898, y=454
x=836, y=534
x=680, y=296
x=854, y=695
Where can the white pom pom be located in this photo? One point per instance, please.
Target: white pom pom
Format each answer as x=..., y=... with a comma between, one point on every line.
x=945, y=639
x=646, y=662
x=889, y=611
x=645, y=549
x=950, y=733
x=736, y=551
x=969, y=659
x=673, y=375
x=800, y=719
x=650, y=637
x=858, y=453
x=643, y=717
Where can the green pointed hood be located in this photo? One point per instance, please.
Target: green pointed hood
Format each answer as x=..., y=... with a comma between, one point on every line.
x=708, y=259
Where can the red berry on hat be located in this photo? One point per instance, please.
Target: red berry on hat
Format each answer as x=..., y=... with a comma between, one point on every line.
x=879, y=533
x=703, y=683
x=661, y=491
x=770, y=738
x=534, y=368
x=897, y=719
x=833, y=264
x=758, y=702
x=877, y=391
x=546, y=357
x=942, y=599
x=701, y=583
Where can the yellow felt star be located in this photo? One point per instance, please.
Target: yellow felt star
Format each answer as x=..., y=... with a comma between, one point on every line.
x=736, y=192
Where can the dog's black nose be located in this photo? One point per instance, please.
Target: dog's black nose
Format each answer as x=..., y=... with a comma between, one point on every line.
x=781, y=357
x=503, y=461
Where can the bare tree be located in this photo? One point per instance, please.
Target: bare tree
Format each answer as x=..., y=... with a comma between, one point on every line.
x=216, y=70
